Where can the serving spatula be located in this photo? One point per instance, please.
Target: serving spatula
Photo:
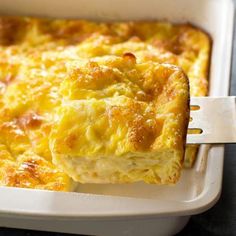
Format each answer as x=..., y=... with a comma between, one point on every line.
x=212, y=120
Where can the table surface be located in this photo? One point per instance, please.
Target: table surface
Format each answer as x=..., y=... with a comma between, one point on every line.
x=219, y=220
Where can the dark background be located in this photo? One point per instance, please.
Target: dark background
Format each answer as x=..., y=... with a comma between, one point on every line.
x=219, y=220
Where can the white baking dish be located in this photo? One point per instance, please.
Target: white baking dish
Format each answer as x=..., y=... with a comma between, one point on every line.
x=134, y=209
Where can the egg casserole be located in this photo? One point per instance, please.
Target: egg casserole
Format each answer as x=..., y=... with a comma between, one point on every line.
x=54, y=72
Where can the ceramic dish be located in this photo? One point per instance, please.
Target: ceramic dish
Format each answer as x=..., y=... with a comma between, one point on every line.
x=136, y=209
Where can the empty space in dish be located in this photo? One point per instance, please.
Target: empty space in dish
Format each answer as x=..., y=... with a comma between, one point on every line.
x=204, y=179
x=190, y=186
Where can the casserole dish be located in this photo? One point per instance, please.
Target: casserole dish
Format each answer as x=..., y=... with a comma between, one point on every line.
x=136, y=209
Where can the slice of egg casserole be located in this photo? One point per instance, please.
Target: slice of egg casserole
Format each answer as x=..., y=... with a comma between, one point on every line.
x=43, y=66
x=121, y=123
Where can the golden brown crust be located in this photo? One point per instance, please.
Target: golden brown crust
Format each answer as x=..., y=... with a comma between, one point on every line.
x=20, y=167
x=10, y=30
x=31, y=171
